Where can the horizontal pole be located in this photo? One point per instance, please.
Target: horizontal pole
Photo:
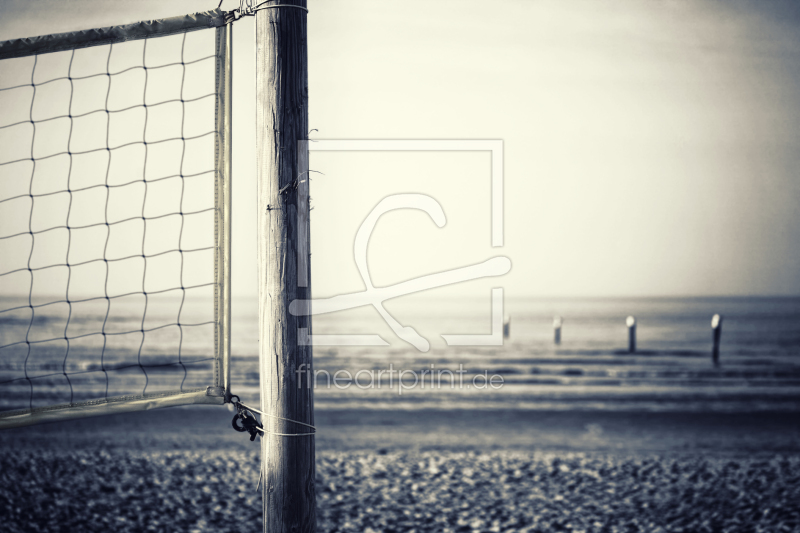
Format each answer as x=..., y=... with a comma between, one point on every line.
x=58, y=42
x=122, y=404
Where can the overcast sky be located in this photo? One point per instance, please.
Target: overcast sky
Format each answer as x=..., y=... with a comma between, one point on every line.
x=651, y=148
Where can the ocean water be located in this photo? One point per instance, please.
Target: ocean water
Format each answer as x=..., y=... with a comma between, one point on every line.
x=590, y=369
x=65, y=353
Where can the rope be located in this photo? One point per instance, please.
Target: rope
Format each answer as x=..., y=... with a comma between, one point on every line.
x=274, y=416
x=247, y=9
x=285, y=434
x=259, y=6
x=242, y=407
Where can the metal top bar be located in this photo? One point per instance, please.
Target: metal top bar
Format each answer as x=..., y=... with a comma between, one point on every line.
x=44, y=44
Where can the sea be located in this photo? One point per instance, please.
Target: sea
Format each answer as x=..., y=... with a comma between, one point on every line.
x=71, y=353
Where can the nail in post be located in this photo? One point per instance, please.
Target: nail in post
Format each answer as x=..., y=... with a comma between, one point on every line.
x=631, y=322
x=716, y=327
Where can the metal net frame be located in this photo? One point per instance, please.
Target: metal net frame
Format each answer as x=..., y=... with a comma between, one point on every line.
x=216, y=389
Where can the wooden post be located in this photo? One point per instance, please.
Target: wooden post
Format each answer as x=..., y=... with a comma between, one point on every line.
x=285, y=365
x=506, y=327
x=557, y=329
x=631, y=322
x=716, y=327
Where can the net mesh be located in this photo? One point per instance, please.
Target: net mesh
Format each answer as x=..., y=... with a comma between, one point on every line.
x=107, y=222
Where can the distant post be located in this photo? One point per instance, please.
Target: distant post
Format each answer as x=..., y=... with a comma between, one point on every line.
x=557, y=329
x=631, y=322
x=506, y=327
x=716, y=327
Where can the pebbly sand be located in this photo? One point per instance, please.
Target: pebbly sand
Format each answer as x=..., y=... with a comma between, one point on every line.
x=185, y=469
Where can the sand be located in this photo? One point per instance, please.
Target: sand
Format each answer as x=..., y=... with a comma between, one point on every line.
x=185, y=470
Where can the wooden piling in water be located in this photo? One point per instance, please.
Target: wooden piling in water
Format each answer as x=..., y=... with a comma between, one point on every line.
x=557, y=321
x=716, y=328
x=631, y=322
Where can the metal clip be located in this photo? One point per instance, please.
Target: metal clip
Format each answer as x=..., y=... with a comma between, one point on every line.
x=244, y=420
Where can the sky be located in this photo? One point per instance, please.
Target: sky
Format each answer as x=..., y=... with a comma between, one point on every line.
x=651, y=148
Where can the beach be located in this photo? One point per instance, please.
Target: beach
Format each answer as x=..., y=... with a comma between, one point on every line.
x=185, y=469
x=581, y=436
x=549, y=283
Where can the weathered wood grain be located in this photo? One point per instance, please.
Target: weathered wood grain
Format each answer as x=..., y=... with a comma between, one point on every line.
x=282, y=121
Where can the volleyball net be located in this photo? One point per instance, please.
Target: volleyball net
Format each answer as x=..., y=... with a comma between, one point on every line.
x=115, y=163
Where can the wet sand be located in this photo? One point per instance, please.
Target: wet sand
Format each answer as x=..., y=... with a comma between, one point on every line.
x=625, y=432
